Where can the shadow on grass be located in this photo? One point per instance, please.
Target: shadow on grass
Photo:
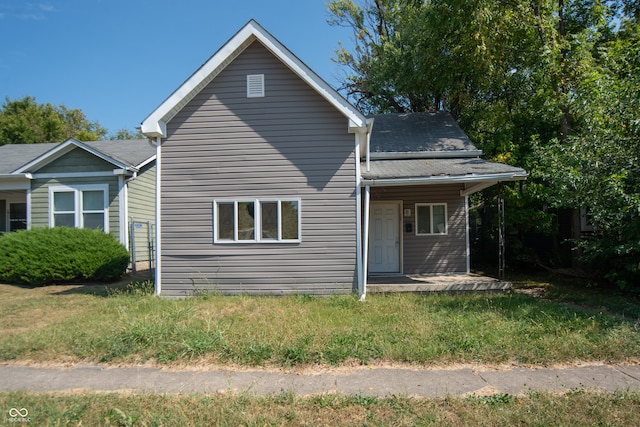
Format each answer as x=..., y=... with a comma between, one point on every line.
x=105, y=289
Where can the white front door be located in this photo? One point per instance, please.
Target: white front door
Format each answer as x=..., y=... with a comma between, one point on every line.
x=384, y=240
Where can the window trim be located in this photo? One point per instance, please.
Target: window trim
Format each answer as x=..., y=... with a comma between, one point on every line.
x=432, y=232
x=257, y=220
x=78, y=211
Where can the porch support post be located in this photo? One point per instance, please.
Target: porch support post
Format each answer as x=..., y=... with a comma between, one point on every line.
x=365, y=243
x=501, y=236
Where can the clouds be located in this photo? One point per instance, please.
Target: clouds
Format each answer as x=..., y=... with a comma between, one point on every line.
x=26, y=11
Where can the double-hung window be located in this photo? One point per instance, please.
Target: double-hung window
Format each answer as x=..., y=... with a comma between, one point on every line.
x=431, y=218
x=80, y=207
x=256, y=220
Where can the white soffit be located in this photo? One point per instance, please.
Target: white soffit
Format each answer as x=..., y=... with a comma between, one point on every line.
x=155, y=124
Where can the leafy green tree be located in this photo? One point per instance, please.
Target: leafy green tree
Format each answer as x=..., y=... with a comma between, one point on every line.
x=125, y=134
x=599, y=168
x=24, y=121
x=543, y=84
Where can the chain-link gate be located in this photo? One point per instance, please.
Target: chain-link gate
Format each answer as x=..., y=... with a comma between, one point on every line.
x=142, y=245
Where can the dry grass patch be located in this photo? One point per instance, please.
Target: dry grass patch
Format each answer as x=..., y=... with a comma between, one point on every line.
x=70, y=323
x=575, y=409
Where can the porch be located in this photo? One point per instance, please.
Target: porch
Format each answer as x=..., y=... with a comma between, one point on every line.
x=436, y=283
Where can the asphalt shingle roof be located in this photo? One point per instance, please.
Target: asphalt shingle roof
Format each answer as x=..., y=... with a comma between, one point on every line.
x=129, y=152
x=423, y=168
x=417, y=132
x=12, y=156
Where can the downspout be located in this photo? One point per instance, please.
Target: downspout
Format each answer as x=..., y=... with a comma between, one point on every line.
x=125, y=214
x=365, y=255
x=359, y=261
x=122, y=211
x=30, y=177
x=158, y=276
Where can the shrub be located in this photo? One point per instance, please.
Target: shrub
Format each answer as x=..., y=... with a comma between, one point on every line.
x=56, y=255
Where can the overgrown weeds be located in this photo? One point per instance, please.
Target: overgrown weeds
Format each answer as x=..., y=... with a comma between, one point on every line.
x=131, y=325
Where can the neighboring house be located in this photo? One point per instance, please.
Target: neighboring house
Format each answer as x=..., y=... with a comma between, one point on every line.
x=270, y=182
x=99, y=184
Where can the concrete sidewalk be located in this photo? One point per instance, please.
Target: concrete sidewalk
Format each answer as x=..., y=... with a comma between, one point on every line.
x=366, y=381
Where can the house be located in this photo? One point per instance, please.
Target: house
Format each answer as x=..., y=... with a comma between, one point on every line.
x=270, y=182
x=99, y=184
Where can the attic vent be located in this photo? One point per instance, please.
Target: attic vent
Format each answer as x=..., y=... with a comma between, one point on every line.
x=255, y=85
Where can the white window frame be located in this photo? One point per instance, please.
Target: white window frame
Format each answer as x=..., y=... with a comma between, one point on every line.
x=257, y=221
x=78, y=211
x=432, y=232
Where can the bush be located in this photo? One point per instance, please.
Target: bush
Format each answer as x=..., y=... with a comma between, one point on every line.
x=56, y=255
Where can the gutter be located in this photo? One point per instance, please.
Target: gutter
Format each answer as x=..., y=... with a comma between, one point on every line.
x=447, y=179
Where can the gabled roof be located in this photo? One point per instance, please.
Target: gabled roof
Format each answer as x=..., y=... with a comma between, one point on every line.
x=23, y=158
x=13, y=156
x=422, y=134
x=155, y=124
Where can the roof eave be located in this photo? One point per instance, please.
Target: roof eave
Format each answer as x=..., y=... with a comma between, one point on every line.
x=445, y=179
x=15, y=181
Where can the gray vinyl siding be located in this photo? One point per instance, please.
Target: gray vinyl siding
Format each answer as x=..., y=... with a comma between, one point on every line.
x=77, y=160
x=289, y=144
x=142, y=208
x=40, y=199
x=436, y=254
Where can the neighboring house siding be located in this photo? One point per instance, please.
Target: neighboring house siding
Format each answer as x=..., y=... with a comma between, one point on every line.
x=436, y=254
x=40, y=199
x=142, y=208
x=77, y=160
x=289, y=144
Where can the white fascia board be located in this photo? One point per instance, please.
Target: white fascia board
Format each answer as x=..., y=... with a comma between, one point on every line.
x=145, y=162
x=154, y=125
x=61, y=150
x=430, y=180
x=56, y=152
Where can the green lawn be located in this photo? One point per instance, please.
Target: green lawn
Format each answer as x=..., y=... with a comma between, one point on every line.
x=89, y=324
x=94, y=324
x=534, y=409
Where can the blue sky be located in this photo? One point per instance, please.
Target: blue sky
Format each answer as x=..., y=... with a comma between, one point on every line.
x=117, y=60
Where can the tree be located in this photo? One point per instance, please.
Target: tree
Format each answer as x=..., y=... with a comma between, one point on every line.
x=599, y=168
x=24, y=121
x=124, y=134
x=535, y=83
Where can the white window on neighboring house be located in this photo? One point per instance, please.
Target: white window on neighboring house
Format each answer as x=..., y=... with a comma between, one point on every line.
x=256, y=221
x=84, y=206
x=431, y=218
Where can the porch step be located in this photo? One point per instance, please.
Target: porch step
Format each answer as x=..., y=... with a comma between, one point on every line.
x=437, y=283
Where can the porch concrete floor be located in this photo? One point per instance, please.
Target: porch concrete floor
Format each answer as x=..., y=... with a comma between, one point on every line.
x=436, y=283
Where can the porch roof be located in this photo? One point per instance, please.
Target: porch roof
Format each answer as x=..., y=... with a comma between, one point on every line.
x=434, y=171
x=14, y=155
